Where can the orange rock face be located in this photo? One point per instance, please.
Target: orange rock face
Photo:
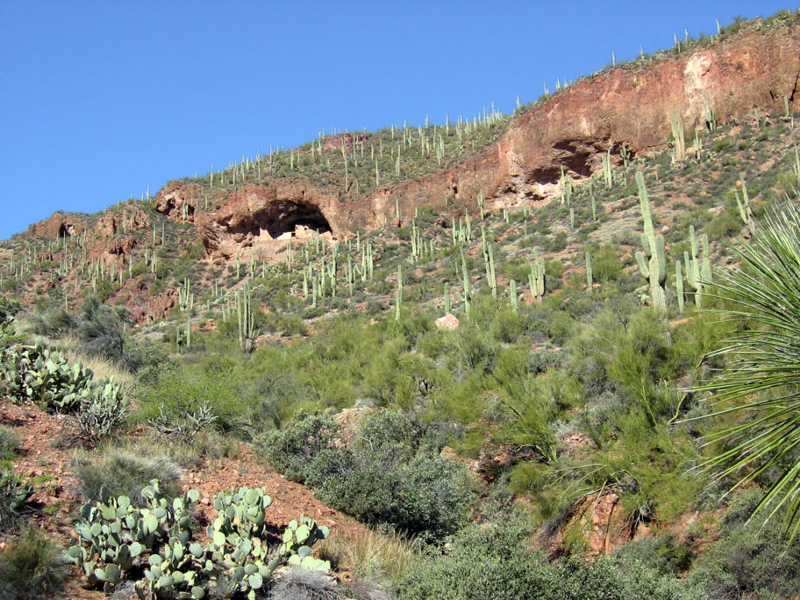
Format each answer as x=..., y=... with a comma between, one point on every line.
x=754, y=71
x=259, y=213
x=128, y=220
x=630, y=105
x=171, y=199
x=58, y=225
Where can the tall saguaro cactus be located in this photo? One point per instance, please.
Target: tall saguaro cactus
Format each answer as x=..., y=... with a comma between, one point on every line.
x=244, y=318
x=698, y=267
x=399, y=293
x=652, y=261
x=536, y=277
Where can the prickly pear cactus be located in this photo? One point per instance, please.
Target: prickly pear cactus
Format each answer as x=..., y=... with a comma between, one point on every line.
x=114, y=535
x=298, y=539
x=117, y=539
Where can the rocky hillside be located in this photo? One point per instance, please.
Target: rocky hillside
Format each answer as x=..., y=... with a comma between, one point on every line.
x=500, y=322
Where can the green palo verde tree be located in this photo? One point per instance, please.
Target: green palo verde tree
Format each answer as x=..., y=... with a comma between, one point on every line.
x=760, y=389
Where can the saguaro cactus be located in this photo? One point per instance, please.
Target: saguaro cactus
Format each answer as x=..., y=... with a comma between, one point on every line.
x=244, y=317
x=399, y=295
x=652, y=261
x=536, y=277
x=512, y=295
x=698, y=267
x=589, y=274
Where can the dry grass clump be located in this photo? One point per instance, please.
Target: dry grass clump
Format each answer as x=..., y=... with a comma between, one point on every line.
x=124, y=470
x=371, y=556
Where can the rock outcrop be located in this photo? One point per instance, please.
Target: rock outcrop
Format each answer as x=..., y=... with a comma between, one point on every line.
x=255, y=214
x=58, y=225
x=630, y=105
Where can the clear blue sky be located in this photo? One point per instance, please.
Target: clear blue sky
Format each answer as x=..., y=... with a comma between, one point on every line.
x=100, y=99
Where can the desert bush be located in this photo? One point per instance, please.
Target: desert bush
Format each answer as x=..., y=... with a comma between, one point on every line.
x=752, y=558
x=292, y=449
x=388, y=478
x=209, y=390
x=493, y=562
x=483, y=563
x=30, y=567
x=14, y=492
x=304, y=584
x=9, y=307
x=421, y=495
x=124, y=472
x=54, y=323
x=9, y=442
x=100, y=329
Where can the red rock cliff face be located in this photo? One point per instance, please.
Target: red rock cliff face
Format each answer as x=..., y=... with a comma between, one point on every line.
x=257, y=214
x=630, y=105
x=753, y=71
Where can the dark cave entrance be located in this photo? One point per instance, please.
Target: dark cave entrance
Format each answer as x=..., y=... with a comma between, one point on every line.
x=65, y=231
x=293, y=218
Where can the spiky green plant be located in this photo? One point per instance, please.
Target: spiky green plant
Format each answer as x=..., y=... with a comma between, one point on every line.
x=761, y=386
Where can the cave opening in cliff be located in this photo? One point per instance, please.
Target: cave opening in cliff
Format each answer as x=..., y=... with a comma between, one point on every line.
x=294, y=219
x=65, y=231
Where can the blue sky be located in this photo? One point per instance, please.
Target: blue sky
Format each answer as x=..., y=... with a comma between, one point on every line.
x=101, y=99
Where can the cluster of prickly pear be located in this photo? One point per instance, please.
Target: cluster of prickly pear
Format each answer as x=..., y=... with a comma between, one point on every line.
x=180, y=570
x=114, y=534
x=298, y=539
x=241, y=514
x=239, y=539
x=43, y=376
x=116, y=537
x=104, y=408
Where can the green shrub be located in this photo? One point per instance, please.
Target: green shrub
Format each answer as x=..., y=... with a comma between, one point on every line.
x=424, y=495
x=483, y=563
x=30, y=567
x=292, y=449
x=752, y=558
x=9, y=307
x=124, y=472
x=393, y=476
x=100, y=329
x=493, y=562
x=211, y=386
x=53, y=324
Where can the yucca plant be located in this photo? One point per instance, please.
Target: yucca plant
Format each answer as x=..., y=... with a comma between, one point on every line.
x=760, y=389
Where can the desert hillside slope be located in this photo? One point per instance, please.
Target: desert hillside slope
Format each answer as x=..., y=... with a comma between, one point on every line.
x=488, y=358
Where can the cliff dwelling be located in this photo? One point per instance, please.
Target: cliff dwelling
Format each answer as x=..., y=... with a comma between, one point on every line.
x=294, y=220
